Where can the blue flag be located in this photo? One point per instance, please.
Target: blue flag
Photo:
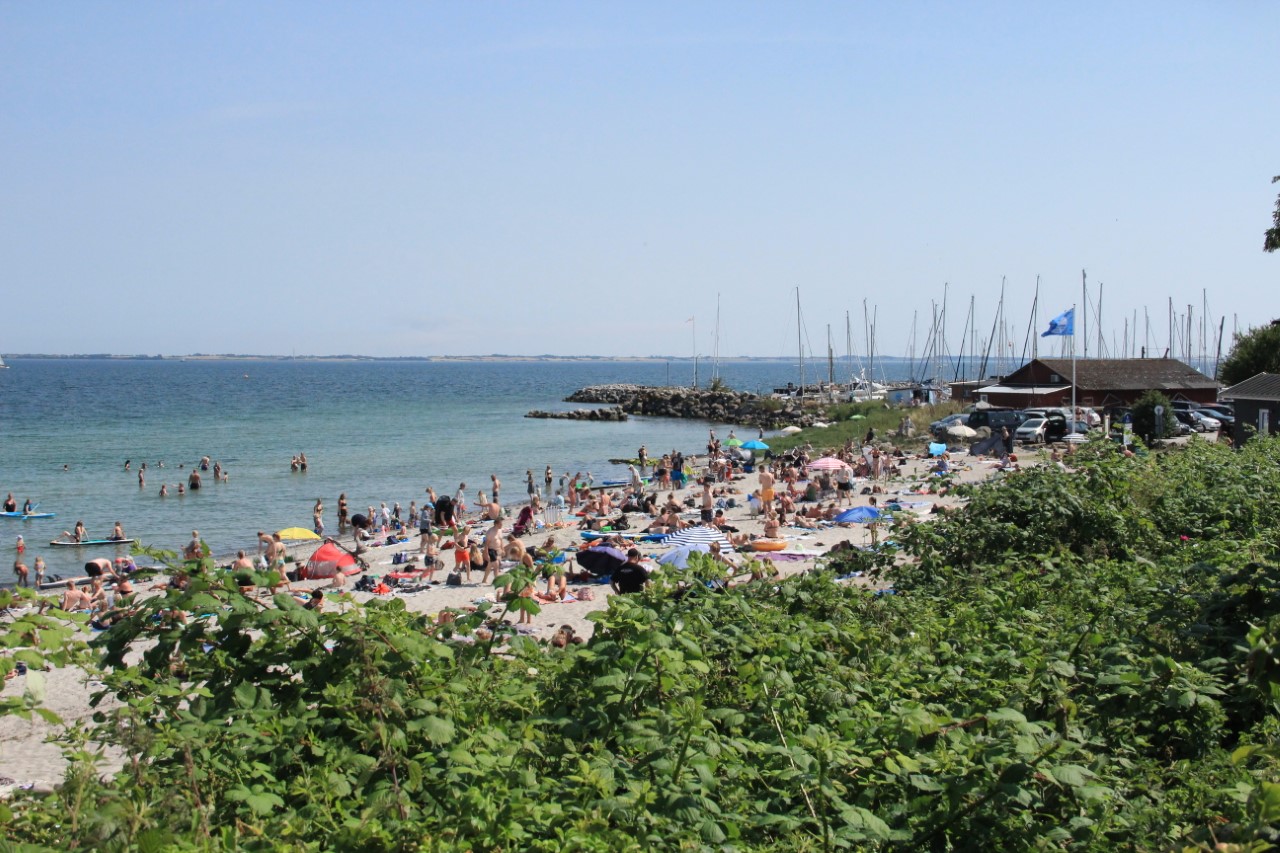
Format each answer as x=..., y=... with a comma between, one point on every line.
x=1063, y=324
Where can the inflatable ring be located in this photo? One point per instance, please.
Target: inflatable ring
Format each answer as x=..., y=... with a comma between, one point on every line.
x=768, y=545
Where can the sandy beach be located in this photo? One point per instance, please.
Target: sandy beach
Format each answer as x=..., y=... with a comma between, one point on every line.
x=26, y=758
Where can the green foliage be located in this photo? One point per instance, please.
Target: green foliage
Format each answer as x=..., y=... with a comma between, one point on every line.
x=1252, y=352
x=37, y=635
x=1087, y=662
x=1271, y=238
x=850, y=422
x=1144, y=417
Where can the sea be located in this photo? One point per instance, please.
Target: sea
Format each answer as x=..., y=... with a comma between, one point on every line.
x=380, y=431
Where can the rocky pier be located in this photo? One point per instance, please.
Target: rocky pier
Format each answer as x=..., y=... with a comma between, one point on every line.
x=610, y=414
x=721, y=405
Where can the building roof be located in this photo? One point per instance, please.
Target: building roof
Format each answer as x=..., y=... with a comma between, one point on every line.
x=1264, y=386
x=1130, y=374
x=1028, y=390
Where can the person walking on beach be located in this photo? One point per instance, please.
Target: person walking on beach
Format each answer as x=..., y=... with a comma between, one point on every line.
x=493, y=550
x=192, y=550
x=276, y=562
x=460, y=501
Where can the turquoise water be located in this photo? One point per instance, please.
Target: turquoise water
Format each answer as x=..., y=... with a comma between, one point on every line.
x=380, y=431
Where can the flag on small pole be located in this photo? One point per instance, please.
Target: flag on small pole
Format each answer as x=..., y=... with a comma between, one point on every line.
x=1065, y=324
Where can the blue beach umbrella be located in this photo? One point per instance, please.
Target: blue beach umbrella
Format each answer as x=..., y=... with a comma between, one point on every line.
x=755, y=444
x=858, y=515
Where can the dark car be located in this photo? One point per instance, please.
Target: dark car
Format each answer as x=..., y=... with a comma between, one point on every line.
x=1224, y=416
x=1185, y=418
x=939, y=427
x=994, y=419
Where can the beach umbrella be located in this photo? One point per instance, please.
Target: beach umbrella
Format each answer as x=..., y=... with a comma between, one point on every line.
x=827, y=463
x=961, y=431
x=327, y=561
x=601, y=561
x=858, y=515
x=733, y=442
x=791, y=430
x=755, y=444
x=701, y=534
x=294, y=534
x=679, y=557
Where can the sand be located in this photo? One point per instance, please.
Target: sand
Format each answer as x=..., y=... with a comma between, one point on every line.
x=26, y=759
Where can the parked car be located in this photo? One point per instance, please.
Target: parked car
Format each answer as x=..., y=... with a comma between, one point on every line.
x=1031, y=431
x=994, y=419
x=1207, y=421
x=939, y=427
x=1187, y=419
x=1226, y=417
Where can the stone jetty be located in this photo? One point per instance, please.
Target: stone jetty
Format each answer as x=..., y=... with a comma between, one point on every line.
x=721, y=405
x=610, y=414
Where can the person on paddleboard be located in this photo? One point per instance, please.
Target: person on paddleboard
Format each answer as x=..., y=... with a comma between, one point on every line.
x=10, y=503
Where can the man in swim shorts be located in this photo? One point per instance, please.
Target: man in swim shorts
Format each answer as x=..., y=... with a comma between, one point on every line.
x=766, y=486
x=99, y=567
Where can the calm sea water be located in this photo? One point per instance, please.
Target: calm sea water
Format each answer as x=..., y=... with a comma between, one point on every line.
x=379, y=431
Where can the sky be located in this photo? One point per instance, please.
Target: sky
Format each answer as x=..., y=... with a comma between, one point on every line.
x=422, y=179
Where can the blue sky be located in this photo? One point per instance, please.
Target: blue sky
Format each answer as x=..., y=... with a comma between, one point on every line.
x=465, y=178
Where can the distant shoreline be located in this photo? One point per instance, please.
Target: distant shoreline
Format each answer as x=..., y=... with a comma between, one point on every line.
x=549, y=359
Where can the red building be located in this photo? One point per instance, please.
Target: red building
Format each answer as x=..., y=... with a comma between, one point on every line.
x=1100, y=383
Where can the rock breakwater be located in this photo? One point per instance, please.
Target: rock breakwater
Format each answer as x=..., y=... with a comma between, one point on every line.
x=721, y=405
x=611, y=414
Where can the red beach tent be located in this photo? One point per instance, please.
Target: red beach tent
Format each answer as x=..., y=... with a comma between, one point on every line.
x=327, y=561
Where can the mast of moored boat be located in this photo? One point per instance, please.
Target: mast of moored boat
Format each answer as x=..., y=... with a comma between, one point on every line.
x=800, y=346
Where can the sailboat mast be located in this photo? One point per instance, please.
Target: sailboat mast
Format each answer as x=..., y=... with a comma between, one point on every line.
x=831, y=362
x=800, y=345
x=715, y=354
x=1100, y=348
x=1084, y=303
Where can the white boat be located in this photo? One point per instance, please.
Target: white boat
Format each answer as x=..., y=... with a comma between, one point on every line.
x=3, y=366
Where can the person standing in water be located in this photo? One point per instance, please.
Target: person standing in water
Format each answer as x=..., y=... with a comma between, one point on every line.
x=317, y=517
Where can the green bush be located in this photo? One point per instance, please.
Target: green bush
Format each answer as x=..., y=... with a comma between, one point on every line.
x=1086, y=662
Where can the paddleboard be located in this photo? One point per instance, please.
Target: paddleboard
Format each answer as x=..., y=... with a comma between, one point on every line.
x=92, y=542
x=28, y=515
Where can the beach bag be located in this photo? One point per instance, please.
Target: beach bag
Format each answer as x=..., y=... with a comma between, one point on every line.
x=454, y=579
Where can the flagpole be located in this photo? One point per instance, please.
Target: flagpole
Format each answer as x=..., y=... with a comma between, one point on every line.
x=1073, y=368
